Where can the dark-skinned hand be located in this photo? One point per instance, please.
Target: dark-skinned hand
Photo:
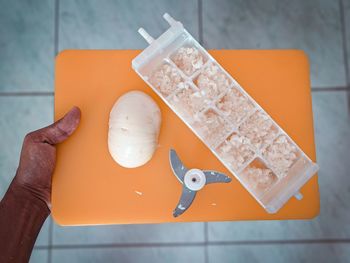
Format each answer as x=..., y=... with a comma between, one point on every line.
x=27, y=202
x=38, y=156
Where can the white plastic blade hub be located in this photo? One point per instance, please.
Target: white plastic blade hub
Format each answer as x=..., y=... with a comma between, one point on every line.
x=195, y=179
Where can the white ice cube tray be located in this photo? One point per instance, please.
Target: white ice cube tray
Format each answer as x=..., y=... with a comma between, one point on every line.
x=220, y=112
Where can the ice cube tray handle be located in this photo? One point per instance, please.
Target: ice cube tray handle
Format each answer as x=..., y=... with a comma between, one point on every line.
x=145, y=35
x=298, y=196
x=171, y=21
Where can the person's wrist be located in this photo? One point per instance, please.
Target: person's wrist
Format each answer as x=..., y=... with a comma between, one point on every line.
x=22, y=215
x=23, y=193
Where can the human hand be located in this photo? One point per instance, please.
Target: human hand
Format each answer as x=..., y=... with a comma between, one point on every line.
x=38, y=156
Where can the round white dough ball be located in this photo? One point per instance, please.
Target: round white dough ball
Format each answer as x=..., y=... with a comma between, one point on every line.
x=134, y=124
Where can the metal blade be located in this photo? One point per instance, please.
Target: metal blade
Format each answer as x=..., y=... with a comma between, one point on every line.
x=216, y=177
x=186, y=200
x=177, y=166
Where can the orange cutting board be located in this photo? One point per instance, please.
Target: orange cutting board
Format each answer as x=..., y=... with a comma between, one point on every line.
x=90, y=188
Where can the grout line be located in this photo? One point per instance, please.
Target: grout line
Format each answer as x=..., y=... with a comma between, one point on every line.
x=198, y=244
x=320, y=89
x=124, y=245
x=49, y=258
x=206, y=239
x=345, y=50
x=56, y=41
x=279, y=242
x=349, y=102
x=51, y=93
x=206, y=232
x=200, y=22
x=57, y=24
x=344, y=41
x=29, y=93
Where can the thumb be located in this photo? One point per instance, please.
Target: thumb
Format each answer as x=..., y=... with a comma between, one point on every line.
x=61, y=129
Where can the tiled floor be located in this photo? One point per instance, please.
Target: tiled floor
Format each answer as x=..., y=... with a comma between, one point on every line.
x=32, y=32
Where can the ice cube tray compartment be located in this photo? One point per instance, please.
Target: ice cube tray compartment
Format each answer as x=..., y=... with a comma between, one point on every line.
x=188, y=102
x=281, y=155
x=211, y=127
x=235, y=151
x=189, y=58
x=223, y=115
x=258, y=177
x=298, y=174
x=166, y=79
x=212, y=81
x=259, y=129
x=234, y=105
